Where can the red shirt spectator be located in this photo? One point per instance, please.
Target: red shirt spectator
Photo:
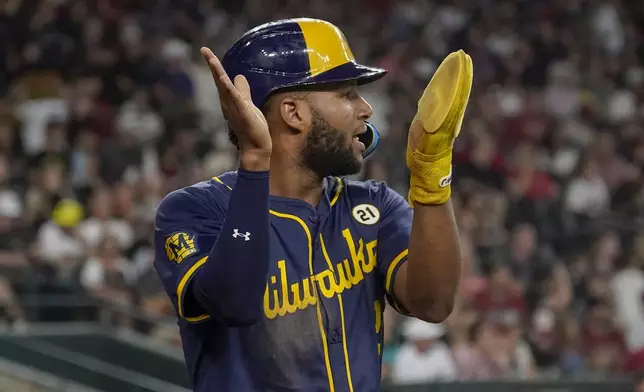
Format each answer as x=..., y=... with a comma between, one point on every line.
x=502, y=293
x=526, y=180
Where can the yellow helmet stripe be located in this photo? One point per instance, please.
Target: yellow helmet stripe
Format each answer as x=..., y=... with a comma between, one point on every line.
x=326, y=45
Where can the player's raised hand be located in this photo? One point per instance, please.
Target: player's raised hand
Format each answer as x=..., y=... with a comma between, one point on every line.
x=437, y=123
x=245, y=119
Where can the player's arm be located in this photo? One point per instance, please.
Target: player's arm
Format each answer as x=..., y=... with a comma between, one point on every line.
x=232, y=285
x=230, y=282
x=242, y=264
x=427, y=283
x=421, y=241
x=207, y=271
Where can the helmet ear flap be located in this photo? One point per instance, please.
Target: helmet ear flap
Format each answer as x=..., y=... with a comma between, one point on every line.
x=370, y=139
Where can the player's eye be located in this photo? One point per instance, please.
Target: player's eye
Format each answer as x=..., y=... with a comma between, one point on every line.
x=351, y=94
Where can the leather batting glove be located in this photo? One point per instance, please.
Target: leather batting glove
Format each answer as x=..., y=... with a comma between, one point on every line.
x=436, y=125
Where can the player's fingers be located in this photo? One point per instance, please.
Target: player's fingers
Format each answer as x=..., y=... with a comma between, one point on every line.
x=219, y=75
x=213, y=62
x=241, y=84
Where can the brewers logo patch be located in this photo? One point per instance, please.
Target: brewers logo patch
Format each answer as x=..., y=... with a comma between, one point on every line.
x=179, y=246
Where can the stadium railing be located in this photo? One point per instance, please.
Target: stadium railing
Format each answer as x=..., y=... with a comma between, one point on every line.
x=101, y=358
x=519, y=386
x=19, y=378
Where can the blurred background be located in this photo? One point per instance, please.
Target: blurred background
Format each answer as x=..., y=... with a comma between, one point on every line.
x=106, y=106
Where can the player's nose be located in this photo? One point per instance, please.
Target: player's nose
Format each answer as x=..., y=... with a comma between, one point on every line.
x=364, y=109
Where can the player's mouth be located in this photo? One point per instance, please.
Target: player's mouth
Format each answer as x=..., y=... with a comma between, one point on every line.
x=356, y=140
x=358, y=144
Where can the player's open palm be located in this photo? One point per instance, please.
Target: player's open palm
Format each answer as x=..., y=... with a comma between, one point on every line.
x=245, y=119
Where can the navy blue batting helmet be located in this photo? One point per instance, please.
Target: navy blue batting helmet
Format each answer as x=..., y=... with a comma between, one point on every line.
x=298, y=52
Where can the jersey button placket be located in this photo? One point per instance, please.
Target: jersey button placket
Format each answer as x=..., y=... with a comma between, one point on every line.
x=335, y=336
x=315, y=219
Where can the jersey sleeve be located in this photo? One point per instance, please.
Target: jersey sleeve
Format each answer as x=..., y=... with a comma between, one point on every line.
x=187, y=224
x=393, y=240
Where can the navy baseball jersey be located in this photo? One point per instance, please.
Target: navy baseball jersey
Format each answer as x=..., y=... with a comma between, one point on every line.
x=332, y=267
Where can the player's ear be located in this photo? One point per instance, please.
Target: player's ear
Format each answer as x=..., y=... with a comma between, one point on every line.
x=295, y=111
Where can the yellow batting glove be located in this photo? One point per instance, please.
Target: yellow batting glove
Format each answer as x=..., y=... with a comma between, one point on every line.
x=435, y=127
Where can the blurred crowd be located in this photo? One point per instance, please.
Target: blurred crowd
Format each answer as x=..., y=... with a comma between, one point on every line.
x=105, y=107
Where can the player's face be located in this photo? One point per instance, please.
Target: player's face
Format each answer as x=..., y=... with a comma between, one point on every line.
x=332, y=147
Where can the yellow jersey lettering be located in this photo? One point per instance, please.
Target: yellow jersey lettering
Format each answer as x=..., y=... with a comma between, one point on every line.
x=270, y=311
x=354, y=274
x=342, y=283
x=377, y=308
x=357, y=256
x=276, y=309
x=308, y=299
x=328, y=286
x=297, y=301
x=287, y=306
x=281, y=299
x=371, y=256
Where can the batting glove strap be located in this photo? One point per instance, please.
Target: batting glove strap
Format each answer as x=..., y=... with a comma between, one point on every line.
x=431, y=177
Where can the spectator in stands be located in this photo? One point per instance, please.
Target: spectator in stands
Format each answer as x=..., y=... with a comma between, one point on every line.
x=601, y=339
x=605, y=253
x=483, y=164
x=423, y=357
x=84, y=162
x=571, y=359
x=549, y=344
x=136, y=116
x=11, y=205
x=108, y=275
x=46, y=188
x=478, y=359
x=614, y=168
x=58, y=242
x=526, y=180
x=503, y=293
x=10, y=310
x=459, y=325
x=587, y=194
x=627, y=288
x=101, y=223
x=496, y=351
x=523, y=254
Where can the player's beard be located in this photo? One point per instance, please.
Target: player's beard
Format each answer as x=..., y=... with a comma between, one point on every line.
x=326, y=152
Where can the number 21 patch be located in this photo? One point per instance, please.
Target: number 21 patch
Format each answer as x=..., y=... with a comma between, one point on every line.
x=366, y=214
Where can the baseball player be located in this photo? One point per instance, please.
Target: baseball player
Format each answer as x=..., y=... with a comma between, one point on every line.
x=279, y=270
